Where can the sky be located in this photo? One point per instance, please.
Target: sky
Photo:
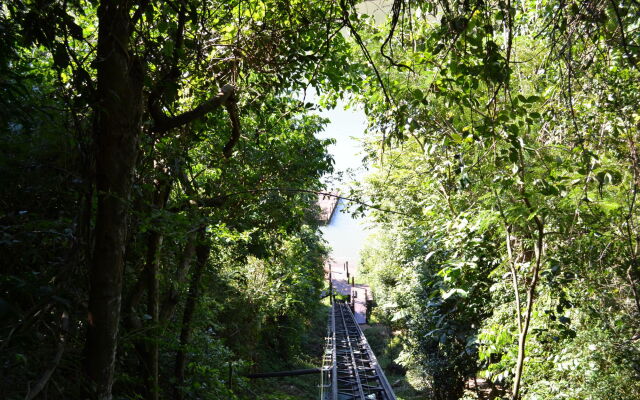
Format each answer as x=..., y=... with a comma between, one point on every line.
x=345, y=235
x=347, y=128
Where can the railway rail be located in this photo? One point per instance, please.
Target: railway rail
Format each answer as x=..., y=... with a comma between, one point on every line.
x=350, y=370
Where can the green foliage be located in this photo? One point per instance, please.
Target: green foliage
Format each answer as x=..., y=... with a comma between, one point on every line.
x=504, y=135
x=436, y=294
x=504, y=138
x=223, y=262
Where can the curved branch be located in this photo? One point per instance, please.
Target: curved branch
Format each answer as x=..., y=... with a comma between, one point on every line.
x=623, y=36
x=363, y=47
x=396, y=10
x=164, y=123
x=234, y=115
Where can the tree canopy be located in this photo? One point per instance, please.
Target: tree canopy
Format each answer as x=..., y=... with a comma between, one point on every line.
x=505, y=133
x=159, y=163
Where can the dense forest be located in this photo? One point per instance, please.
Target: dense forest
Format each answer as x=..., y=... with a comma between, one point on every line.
x=160, y=163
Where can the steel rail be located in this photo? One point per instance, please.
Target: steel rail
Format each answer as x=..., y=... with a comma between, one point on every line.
x=379, y=372
x=355, y=372
x=354, y=365
x=334, y=359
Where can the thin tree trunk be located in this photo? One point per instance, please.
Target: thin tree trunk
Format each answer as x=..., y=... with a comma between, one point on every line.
x=152, y=353
x=117, y=127
x=514, y=279
x=202, y=255
x=171, y=298
x=152, y=370
x=538, y=247
x=632, y=270
x=522, y=339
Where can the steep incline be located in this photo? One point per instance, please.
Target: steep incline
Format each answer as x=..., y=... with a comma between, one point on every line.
x=350, y=370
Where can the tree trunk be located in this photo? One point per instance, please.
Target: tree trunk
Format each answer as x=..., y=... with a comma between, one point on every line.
x=152, y=370
x=152, y=354
x=202, y=255
x=522, y=338
x=116, y=129
x=632, y=236
x=171, y=298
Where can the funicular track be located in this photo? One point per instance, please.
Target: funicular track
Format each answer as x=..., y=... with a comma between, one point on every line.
x=350, y=369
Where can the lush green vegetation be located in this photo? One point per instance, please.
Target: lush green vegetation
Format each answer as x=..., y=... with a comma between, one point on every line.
x=158, y=171
x=148, y=246
x=506, y=138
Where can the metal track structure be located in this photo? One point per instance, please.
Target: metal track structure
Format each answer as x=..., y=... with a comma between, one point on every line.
x=350, y=370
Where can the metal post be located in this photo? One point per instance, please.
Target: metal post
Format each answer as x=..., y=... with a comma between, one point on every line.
x=330, y=289
x=366, y=303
